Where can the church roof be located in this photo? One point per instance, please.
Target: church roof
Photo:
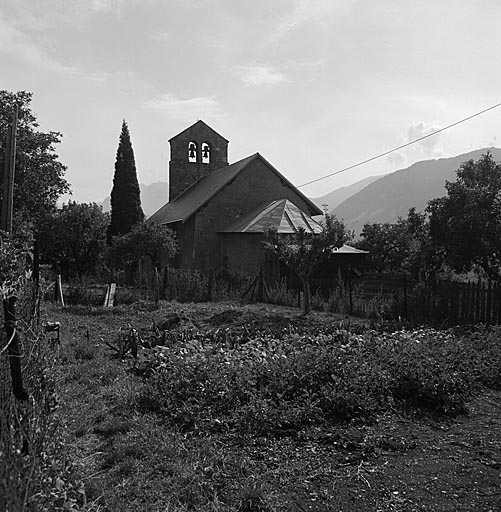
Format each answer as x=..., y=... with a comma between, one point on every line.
x=281, y=215
x=203, y=190
x=199, y=122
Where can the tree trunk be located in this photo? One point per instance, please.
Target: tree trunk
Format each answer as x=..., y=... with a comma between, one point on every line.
x=306, y=295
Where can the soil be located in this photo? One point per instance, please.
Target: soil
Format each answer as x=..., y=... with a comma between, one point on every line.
x=398, y=463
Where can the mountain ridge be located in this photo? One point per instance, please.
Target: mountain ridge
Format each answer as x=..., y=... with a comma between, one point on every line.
x=338, y=195
x=391, y=196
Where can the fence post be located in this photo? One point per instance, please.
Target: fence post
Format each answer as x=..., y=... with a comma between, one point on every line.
x=36, y=279
x=462, y=291
x=455, y=302
x=157, y=286
x=468, y=307
x=9, y=309
x=488, y=303
x=350, y=291
x=166, y=282
x=495, y=302
x=210, y=285
x=59, y=291
x=404, y=312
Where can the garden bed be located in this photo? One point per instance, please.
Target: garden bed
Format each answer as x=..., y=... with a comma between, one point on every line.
x=256, y=408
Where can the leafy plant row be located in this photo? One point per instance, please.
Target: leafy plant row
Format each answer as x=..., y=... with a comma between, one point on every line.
x=274, y=383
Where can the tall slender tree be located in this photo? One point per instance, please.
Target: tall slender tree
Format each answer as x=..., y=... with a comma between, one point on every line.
x=126, y=209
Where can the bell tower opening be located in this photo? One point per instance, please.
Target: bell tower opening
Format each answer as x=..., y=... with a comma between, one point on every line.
x=205, y=153
x=194, y=153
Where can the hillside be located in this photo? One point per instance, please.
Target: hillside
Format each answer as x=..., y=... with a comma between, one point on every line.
x=336, y=197
x=153, y=197
x=391, y=196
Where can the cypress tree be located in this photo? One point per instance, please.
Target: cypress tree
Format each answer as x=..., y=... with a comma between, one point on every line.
x=126, y=209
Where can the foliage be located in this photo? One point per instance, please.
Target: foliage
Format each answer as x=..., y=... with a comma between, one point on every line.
x=388, y=245
x=132, y=456
x=25, y=424
x=400, y=247
x=465, y=225
x=303, y=251
x=73, y=239
x=185, y=285
x=39, y=176
x=144, y=239
x=276, y=381
x=15, y=261
x=126, y=209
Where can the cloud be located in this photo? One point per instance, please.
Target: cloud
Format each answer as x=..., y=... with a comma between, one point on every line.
x=23, y=47
x=492, y=143
x=259, y=75
x=161, y=37
x=397, y=160
x=300, y=12
x=429, y=145
x=106, y=5
x=185, y=109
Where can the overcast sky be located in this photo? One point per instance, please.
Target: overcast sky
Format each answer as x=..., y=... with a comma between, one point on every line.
x=313, y=85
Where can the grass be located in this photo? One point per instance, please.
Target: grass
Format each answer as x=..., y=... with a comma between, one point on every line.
x=293, y=414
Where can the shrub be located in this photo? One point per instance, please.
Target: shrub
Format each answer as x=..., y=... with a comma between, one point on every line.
x=270, y=380
x=186, y=285
x=281, y=295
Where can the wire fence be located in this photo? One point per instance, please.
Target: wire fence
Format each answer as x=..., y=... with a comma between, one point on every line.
x=25, y=416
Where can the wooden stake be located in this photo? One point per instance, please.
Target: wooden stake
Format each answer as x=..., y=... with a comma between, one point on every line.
x=59, y=291
x=111, y=298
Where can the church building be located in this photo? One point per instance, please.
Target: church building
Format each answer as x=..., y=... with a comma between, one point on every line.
x=221, y=211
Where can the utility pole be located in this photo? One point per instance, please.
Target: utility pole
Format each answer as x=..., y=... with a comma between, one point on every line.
x=9, y=175
x=9, y=303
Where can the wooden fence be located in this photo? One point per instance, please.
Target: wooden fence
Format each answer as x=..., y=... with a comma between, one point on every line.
x=454, y=303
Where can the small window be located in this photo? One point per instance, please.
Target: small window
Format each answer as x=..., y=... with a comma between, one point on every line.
x=205, y=153
x=192, y=152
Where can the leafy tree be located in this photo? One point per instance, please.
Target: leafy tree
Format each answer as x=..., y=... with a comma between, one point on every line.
x=145, y=239
x=126, y=209
x=403, y=246
x=465, y=225
x=388, y=245
x=39, y=177
x=73, y=239
x=303, y=251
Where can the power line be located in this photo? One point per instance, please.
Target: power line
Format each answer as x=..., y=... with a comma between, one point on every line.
x=400, y=147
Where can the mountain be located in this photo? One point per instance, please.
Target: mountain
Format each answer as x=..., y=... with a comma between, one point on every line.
x=391, y=196
x=336, y=197
x=153, y=197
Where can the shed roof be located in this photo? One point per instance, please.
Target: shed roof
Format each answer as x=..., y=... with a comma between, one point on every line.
x=200, y=193
x=348, y=249
x=281, y=215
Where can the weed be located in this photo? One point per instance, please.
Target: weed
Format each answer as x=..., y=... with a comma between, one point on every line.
x=84, y=350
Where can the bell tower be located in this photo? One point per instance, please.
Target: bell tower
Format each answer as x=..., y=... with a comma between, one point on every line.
x=194, y=153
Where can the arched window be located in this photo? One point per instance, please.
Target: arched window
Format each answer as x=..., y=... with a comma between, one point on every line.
x=192, y=152
x=206, y=153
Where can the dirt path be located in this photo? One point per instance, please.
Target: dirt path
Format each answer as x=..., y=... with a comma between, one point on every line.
x=394, y=465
